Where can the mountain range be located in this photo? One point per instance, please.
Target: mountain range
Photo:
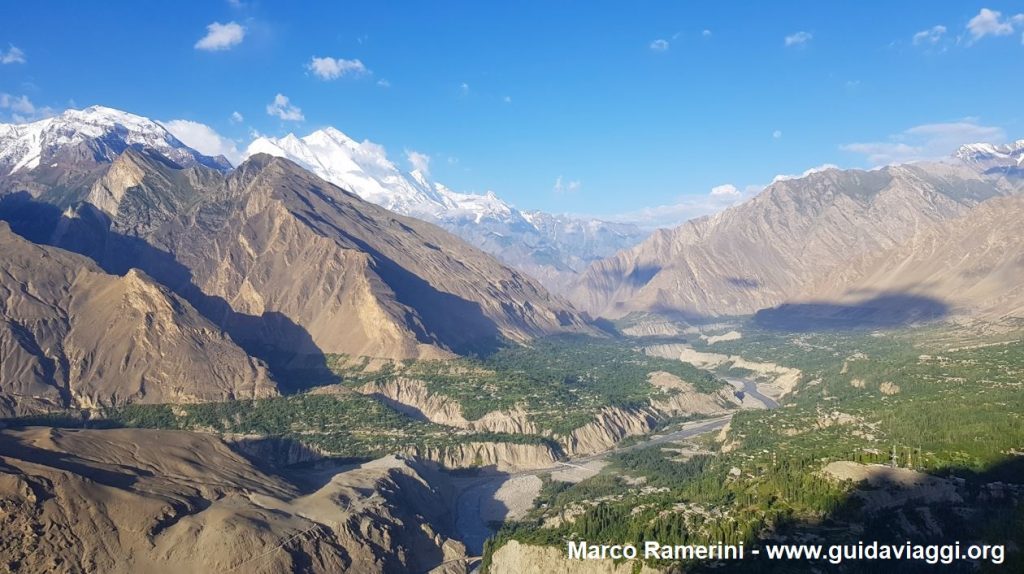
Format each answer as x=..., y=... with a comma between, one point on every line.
x=304, y=251
x=266, y=257
x=552, y=248
x=837, y=242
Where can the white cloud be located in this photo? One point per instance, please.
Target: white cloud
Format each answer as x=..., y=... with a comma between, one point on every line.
x=798, y=39
x=282, y=108
x=777, y=134
x=725, y=190
x=706, y=33
x=659, y=45
x=926, y=142
x=930, y=36
x=383, y=83
x=237, y=118
x=566, y=186
x=14, y=55
x=991, y=23
x=674, y=214
x=806, y=172
x=419, y=161
x=221, y=36
x=464, y=89
x=203, y=139
x=22, y=110
x=334, y=68
x=17, y=104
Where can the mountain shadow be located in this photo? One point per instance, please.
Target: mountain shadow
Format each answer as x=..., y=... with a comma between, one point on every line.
x=888, y=310
x=294, y=359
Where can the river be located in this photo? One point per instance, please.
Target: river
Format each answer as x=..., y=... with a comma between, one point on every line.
x=470, y=523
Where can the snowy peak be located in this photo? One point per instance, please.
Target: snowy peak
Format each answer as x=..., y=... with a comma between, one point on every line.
x=551, y=248
x=989, y=157
x=364, y=169
x=106, y=131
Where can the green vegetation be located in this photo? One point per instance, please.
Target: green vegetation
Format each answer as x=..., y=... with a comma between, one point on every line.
x=562, y=381
x=911, y=398
x=347, y=424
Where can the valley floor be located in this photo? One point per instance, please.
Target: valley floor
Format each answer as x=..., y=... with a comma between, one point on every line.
x=913, y=434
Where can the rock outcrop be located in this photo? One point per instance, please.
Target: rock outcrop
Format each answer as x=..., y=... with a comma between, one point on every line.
x=496, y=456
x=609, y=426
x=412, y=397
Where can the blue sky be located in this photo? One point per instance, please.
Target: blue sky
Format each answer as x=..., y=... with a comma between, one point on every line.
x=629, y=105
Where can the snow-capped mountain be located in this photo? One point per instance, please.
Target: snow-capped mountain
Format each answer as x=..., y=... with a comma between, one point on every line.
x=988, y=157
x=364, y=169
x=104, y=133
x=552, y=248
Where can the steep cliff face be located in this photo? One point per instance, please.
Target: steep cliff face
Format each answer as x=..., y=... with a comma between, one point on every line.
x=183, y=501
x=274, y=451
x=766, y=250
x=412, y=397
x=74, y=336
x=497, y=456
x=516, y=421
x=610, y=425
x=681, y=397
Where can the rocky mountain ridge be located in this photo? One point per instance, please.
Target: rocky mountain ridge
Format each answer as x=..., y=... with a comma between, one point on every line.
x=292, y=263
x=766, y=251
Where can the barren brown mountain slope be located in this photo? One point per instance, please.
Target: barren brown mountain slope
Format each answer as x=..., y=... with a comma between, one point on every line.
x=74, y=336
x=973, y=264
x=288, y=261
x=169, y=501
x=766, y=250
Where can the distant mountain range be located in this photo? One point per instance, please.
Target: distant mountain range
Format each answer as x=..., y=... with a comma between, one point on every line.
x=853, y=244
x=552, y=248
